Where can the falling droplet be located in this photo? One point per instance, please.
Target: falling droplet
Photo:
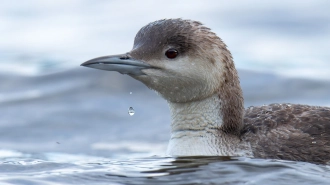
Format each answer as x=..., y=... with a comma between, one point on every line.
x=131, y=111
x=130, y=92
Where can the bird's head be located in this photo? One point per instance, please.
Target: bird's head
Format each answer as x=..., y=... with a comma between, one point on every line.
x=180, y=59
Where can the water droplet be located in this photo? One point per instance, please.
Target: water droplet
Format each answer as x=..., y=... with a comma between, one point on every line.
x=314, y=142
x=130, y=93
x=131, y=111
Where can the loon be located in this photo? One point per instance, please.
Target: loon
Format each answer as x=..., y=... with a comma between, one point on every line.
x=190, y=67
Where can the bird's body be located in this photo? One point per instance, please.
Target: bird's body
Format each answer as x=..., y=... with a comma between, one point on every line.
x=289, y=131
x=191, y=68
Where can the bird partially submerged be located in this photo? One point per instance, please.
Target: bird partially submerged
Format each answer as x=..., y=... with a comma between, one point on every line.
x=191, y=67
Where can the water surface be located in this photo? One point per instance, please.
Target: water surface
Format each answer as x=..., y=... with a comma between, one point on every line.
x=57, y=168
x=64, y=124
x=73, y=127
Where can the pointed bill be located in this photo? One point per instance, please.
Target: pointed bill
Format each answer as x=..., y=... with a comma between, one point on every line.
x=123, y=64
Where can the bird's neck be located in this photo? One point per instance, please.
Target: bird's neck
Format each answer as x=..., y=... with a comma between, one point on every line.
x=196, y=129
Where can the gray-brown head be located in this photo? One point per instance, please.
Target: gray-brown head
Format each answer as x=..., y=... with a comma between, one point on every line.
x=183, y=61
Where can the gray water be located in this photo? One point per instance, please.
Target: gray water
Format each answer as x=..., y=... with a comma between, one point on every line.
x=64, y=124
x=73, y=127
x=161, y=170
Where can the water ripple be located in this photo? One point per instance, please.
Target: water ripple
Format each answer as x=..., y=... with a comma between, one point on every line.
x=164, y=170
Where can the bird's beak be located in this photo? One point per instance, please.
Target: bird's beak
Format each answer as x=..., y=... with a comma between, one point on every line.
x=123, y=64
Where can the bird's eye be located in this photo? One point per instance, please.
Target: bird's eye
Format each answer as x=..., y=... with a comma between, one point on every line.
x=171, y=53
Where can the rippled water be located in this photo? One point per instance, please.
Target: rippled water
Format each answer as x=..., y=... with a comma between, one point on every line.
x=57, y=168
x=73, y=127
x=62, y=124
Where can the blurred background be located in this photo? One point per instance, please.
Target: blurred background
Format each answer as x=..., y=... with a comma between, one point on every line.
x=48, y=103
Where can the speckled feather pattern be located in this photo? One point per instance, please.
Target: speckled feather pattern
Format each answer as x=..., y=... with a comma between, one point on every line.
x=196, y=129
x=289, y=131
x=202, y=88
x=277, y=131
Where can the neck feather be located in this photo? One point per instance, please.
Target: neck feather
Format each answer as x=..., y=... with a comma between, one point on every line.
x=197, y=129
x=232, y=105
x=231, y=95
x=211, y=126
x=197, y=115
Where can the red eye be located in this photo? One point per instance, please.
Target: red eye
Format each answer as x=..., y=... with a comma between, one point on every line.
x=171, y=53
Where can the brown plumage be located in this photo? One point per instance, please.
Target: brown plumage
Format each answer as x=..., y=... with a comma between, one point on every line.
x=204, y=69
x=289, y=131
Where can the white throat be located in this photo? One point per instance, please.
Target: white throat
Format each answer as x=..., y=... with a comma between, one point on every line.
x=195, y=130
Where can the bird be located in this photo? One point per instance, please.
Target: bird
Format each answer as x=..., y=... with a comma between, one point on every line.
x=189, y=66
